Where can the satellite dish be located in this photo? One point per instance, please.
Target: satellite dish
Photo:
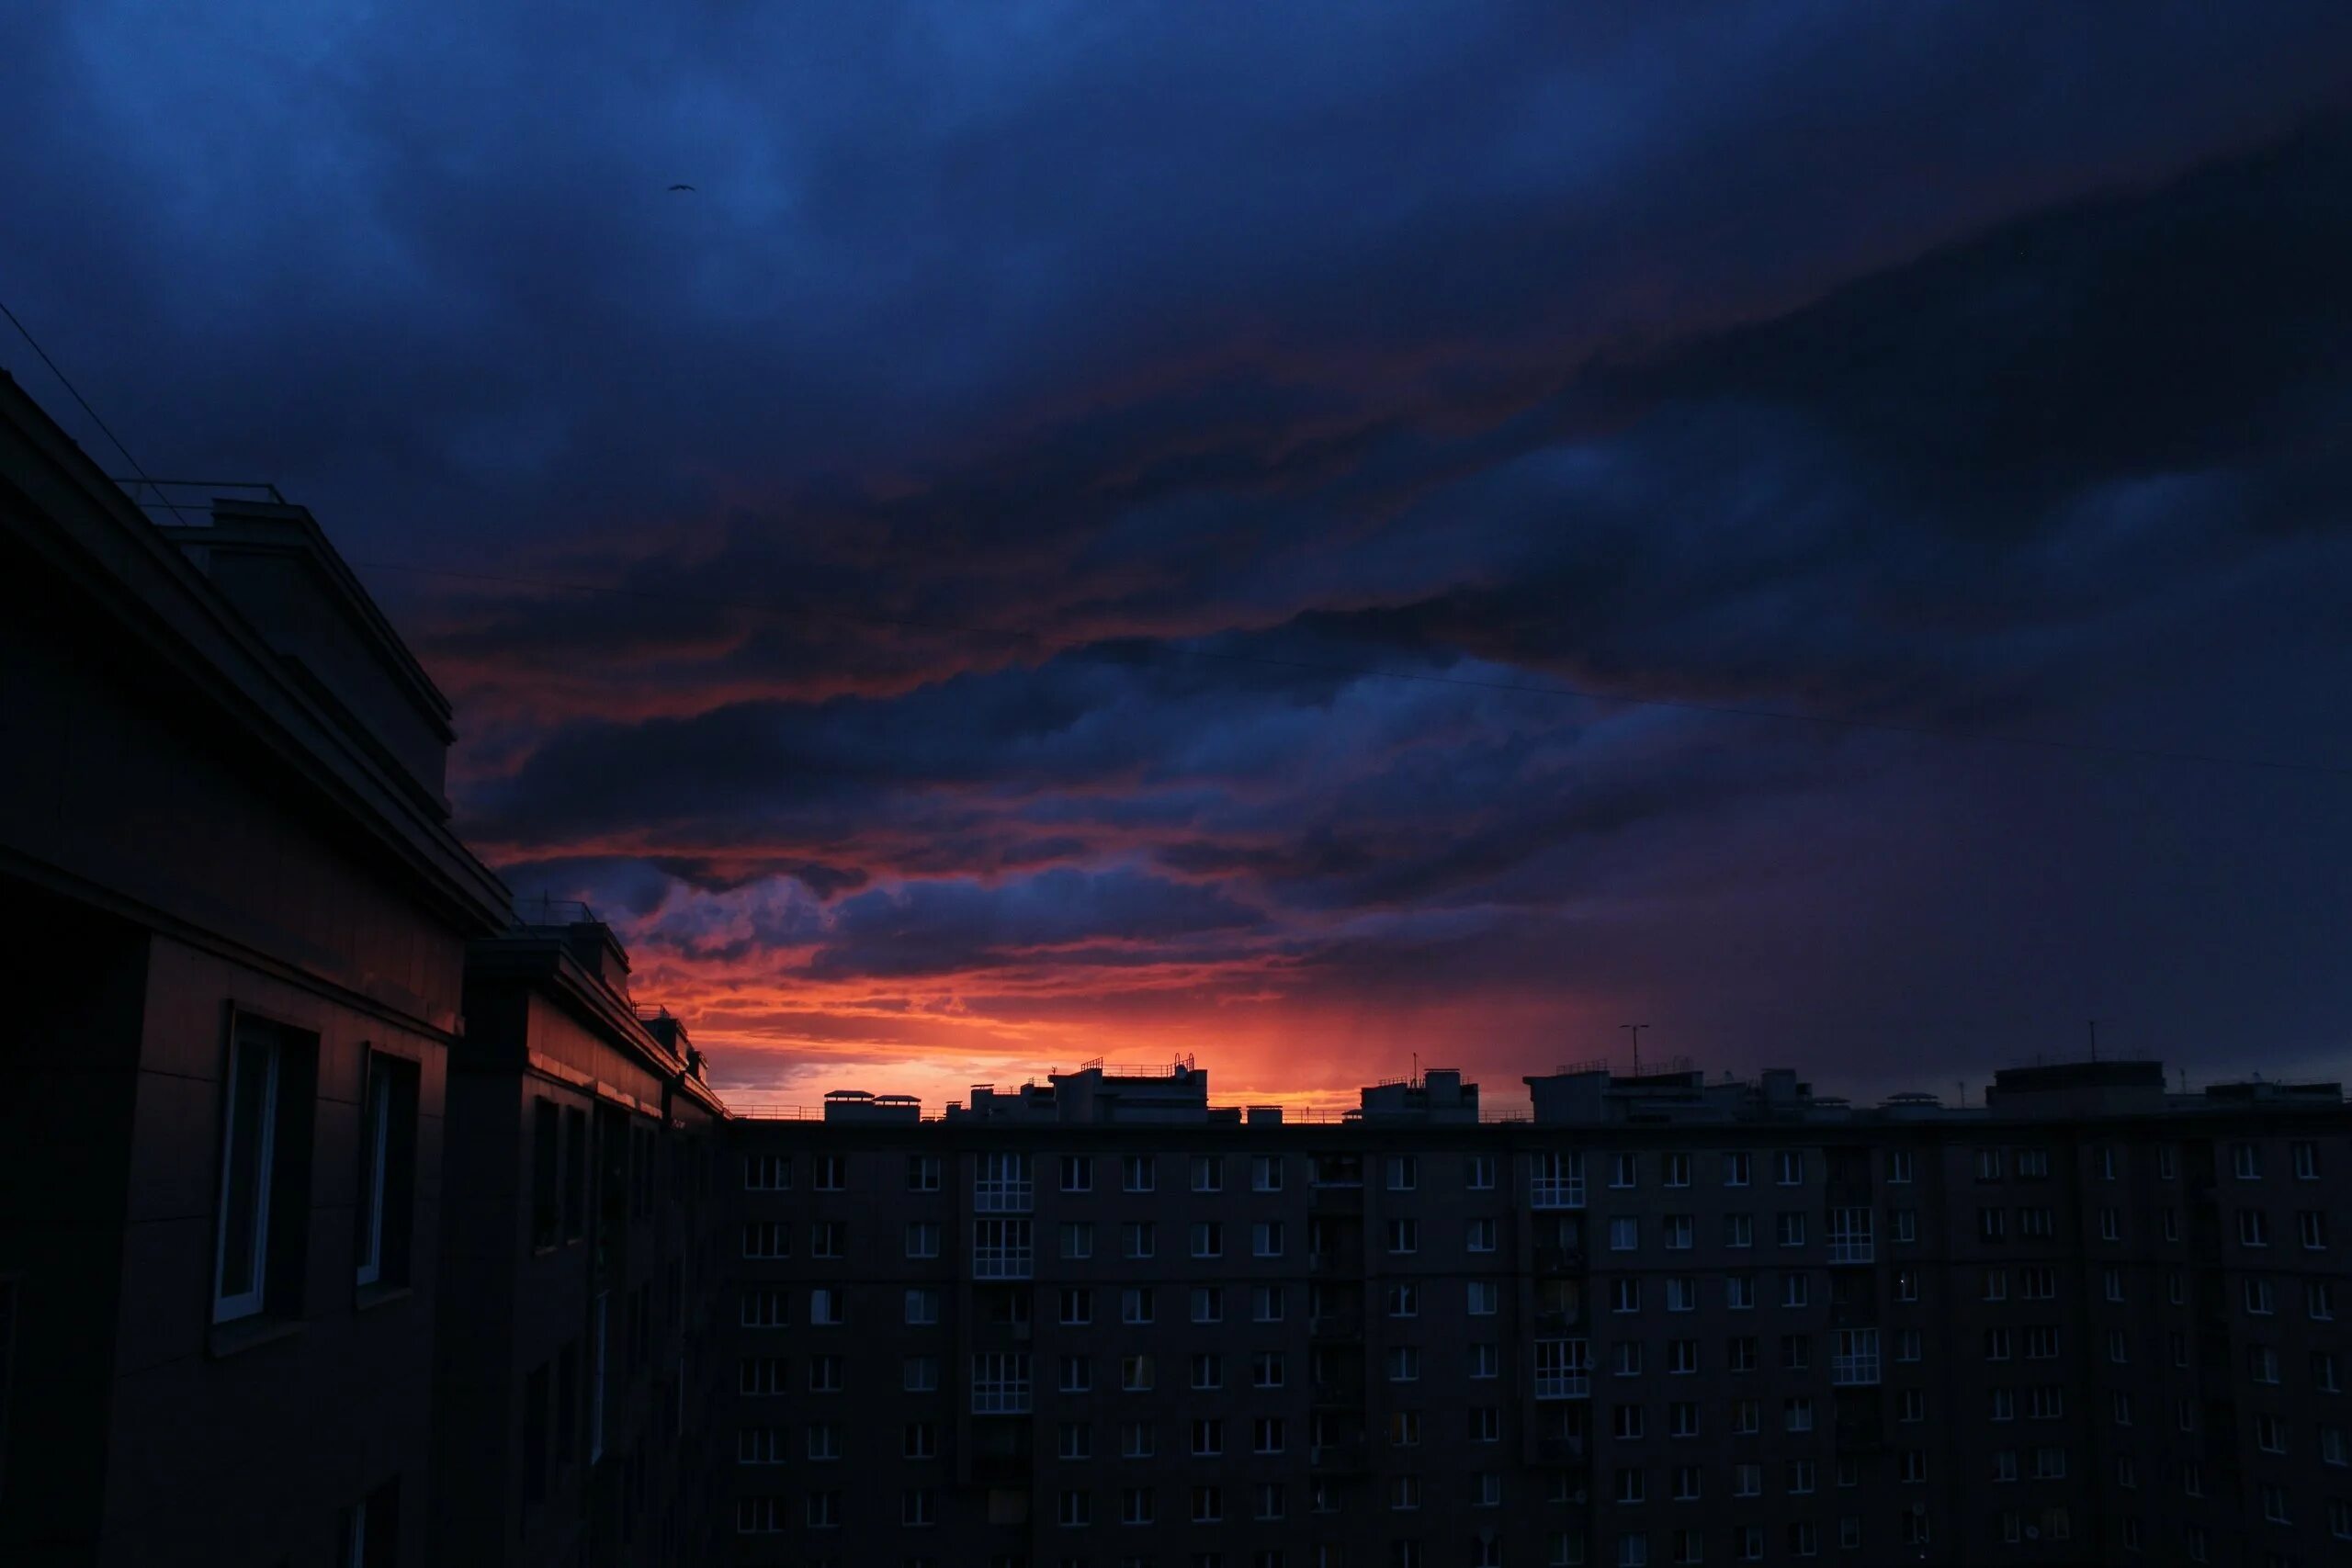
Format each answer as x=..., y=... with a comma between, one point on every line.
x=2033, y=1532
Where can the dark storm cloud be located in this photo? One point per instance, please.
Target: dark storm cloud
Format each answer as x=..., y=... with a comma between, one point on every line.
x=996, y=482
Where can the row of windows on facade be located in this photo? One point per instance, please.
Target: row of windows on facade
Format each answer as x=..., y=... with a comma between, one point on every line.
x=560, y=1156
x=1006, y=1175
x=1004, y=1248
x=1563, y=1368
x=268, y=1129
x=1139, y=1508
x=771, y=1308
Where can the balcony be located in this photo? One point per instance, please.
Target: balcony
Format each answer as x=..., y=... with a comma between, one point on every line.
x=1564, y=1385
x=1557, y=1192
x=1555, y=1259
x=1559, y=1450
x=1853, y=1372
x=1001, y=1263
x=1852, y=1250
x=994, y=1195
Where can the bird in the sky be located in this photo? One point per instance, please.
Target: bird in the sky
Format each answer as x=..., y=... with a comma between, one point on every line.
x=681, y=187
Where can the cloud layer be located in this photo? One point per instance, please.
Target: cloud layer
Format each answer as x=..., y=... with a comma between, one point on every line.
x=1076, y=539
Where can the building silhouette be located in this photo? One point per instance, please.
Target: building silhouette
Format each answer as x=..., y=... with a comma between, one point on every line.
x=351, y=1216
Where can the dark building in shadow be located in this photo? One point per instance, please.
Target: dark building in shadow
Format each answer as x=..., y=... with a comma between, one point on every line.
x=237, y=930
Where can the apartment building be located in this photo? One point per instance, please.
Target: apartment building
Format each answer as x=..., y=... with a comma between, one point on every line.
x=1663, y=1320
x=237, y=929
x=574, y=1368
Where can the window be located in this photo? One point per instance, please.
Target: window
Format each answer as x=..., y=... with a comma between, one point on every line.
x=1266, y=1304
x=2319, y=1301
x=1075, y=1511
x=1626, y=1359
x=1136, y=1374
x=1138, y=1440
x=1676, y=1169
x=1138, y=1238
x=919, y=1439
x=1001, y=1186
x=1000, y=1249
x=832, y=1173
x=1479, y=1235
x=258, y=1121
x=1739, y=1230
x=1138, y=1173
x=1790, y=1227
x=922, y=1307
x=1478, y=1173
x=1678, y=1232
x=2246, y=1160
x=1078, y=1239
x=1681, y=1356
x=2306, y=1155
x=1135, y=1304
x=1208, y=1173
x=1898, y=1168
x=1795, y=1290
x=1623, y=1170
x=2110, y=1224
x=1739, y=1353
x=1266, y=1173
x=1077, y=1440
x=1906, y=1225
x=1790, y=1166
x=1136, y=1506
x=1681, y=1293
x=1796, y=1414
x=1627, y=1296
x=1077, y=1173
x=1850, y=1235
x=1208, y=1303
x=918, y=1374
x=1625, y=1233
x=922, y=1238
x=1483, y=1298
x=1404, y=1236
x=1208, y=1238
x=1738, y=1166
x=386, y=1170
x=1855, y=1361
x=828, y=1238
x=1739, y=1291
x=1991, y=1225
x=1266, y=1369
x=2312, y=1225
x=922, y=1173
x=762, y=1173
x=826, y=1307
x=2254, y=1228
x=1403, y=1173
x=1208, y=1437
x=1000, y=1383
x=1988, y=1164
x=825, y=1373
x=1563, y=1368
x=1404, y=1363
x=1559, y=1182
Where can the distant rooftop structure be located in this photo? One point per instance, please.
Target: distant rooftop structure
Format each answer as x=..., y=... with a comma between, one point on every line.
x=1174, y=1093
x=1438, y=1097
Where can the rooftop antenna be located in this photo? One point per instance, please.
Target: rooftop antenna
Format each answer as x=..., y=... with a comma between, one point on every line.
x=2094, y=1040
x=1637, y=1029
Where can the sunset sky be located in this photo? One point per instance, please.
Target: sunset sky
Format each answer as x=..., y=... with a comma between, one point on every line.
x=1119, y=530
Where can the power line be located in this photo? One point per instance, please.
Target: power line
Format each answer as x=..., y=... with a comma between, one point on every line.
x=1092, y=647
x=26, y=332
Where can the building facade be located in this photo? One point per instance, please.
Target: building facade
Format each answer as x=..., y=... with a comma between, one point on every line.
x=1664, y=1321
x=574, y=1366
x=237, y=923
